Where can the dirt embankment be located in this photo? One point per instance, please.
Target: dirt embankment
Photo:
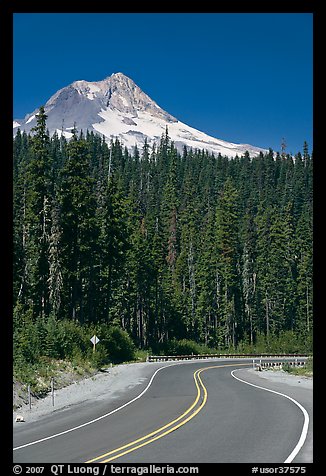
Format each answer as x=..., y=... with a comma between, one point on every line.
x=64, y=374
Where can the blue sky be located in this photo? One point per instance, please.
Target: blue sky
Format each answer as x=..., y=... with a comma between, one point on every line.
x=241, y=77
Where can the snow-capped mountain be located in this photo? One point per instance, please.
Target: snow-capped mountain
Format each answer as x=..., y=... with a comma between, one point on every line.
x=117, y=107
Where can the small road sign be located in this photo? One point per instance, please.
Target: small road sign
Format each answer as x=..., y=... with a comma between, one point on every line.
x=94, y=340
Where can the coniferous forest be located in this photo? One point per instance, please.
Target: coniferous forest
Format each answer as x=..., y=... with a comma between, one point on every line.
x=157, y=246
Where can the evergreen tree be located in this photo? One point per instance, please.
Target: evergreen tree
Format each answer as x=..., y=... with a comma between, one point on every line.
x=304, y=282
x=37, y=219
x=208, y=282
x=249, y=273
x=227, y=229
x=20, y=160
x=78, y=233
x=112, y=247
x=275, y=269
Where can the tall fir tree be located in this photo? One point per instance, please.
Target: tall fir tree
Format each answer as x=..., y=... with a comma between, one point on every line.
x=37, y=219
x=227, y=230
x=78, y=233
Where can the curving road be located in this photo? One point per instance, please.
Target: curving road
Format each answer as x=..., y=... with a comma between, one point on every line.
x=194, y=412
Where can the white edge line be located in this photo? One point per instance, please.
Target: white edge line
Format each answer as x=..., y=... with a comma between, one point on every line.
x=304, y=432
x=102, y=416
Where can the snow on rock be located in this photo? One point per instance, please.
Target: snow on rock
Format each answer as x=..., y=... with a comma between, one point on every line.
x=30, y=119
x=117, y=107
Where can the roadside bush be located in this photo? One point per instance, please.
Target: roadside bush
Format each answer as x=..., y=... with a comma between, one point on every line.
x=71, y=336
x=118, y=344
x=26, y=343
x=185, y=347
x=99, y=358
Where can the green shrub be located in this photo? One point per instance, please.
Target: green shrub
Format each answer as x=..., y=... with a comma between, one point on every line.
x=99, y=358
x=184, y=347
x=71, y=337
x=306, y=370
x=118, y=344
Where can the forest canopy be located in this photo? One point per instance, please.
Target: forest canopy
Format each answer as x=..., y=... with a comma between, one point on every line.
x=161, y=245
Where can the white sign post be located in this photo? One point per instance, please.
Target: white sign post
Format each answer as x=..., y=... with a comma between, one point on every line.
x=94, y=340
x=52, y=390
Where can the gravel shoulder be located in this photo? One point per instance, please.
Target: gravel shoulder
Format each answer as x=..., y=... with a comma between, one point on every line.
x=280, y=376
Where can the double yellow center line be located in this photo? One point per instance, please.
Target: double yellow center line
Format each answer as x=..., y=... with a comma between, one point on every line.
x=173, y=425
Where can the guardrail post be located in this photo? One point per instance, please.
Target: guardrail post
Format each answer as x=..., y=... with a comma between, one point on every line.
x=29, y=397
x=52, y=390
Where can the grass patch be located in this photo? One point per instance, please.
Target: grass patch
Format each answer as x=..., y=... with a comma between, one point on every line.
x=39, y=375
x=304, y=371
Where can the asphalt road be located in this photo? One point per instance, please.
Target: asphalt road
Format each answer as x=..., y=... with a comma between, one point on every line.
x=195, y=412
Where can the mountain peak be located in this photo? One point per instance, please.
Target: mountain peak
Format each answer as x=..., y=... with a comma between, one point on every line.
x=117, y=107
x=120, y=76
x=125, y=96
x=119, y=79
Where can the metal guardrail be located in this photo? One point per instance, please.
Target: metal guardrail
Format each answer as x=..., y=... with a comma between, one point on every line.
x=165, y=358
x=298, y=362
